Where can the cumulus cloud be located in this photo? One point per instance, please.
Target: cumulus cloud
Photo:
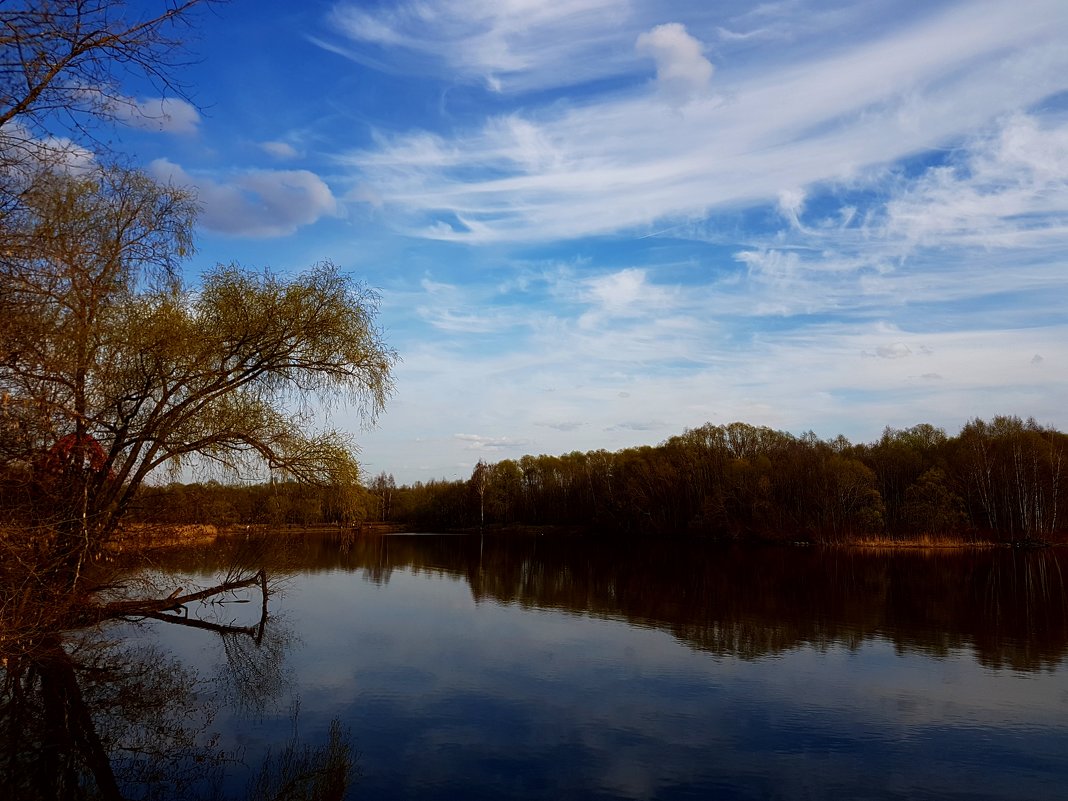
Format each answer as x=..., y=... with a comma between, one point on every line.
x=28, y=150
x=160, y=114
x=682, y=71
x=157, y=114
x=254, y=203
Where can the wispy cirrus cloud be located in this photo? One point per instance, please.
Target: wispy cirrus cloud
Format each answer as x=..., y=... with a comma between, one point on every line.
x=704, y=355
x=991, y=221
x=872, y=201
x=509, y=45
x=477, y=442
x=283, y=151
x=1010, y=189
x=623, y=162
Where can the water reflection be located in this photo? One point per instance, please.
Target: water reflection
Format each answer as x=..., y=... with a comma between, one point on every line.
x=537, y=667
x=1009, y=605
x=83, y=718
x=93, y=711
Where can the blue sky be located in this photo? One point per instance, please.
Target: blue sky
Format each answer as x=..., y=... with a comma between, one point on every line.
x=596, y=223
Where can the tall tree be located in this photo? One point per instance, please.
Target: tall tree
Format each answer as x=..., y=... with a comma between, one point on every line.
x=112, y=368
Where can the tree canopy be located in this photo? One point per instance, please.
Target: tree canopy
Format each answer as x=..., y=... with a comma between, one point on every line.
x=999, y=481
x=112, y=366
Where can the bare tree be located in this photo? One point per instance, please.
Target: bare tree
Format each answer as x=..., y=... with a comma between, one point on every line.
x=64, y=66
x=63, y=62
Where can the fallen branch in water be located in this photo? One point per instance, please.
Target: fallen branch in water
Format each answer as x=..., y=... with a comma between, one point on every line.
x=156, y=607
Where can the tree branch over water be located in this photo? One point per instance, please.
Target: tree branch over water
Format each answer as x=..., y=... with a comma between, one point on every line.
x=157, y=608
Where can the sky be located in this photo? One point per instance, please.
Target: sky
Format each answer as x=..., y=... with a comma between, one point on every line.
x=597, y=223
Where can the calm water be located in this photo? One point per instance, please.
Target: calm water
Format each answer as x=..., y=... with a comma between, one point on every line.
x=593, y=669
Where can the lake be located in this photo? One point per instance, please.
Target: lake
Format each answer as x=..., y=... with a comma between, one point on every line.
x=536, y=667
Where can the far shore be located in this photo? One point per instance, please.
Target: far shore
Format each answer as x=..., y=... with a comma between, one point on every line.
x=140, y=536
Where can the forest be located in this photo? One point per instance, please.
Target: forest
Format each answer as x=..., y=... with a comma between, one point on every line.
x=996, y=481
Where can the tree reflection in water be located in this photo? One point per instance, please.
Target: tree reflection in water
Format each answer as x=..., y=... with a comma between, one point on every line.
x=83, y=716
x=1009, y=605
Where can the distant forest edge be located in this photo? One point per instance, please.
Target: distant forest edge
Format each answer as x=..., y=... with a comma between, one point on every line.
x=1002, y=480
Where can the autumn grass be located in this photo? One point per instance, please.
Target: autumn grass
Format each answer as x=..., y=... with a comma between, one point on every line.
x=923, y=541
x=142, y=536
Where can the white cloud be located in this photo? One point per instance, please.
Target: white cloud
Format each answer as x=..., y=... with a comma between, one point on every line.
x=507, y=45
x=613, y=163
x=791, y=205
x=28, y=150
x=682, y=71
x=1011, y=189
x=620, y=292
x=459, y=310
x=623, y=294
x=477, y=442
x=158, y=114
x=638, y=383
x=162, y=114
x=467, y=321
x=841, y=290
x=993, y=222
x=644, y=425
x=254, y=203
x=564, y=425
x=898, y=350
x=283, y=151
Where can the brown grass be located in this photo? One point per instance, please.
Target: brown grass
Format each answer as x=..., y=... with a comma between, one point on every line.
x=923, y=541
x=138, y=535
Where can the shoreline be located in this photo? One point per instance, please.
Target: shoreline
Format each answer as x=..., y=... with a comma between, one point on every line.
x=147, y=537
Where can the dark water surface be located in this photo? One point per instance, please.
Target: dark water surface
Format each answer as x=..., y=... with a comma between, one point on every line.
x=542, y=668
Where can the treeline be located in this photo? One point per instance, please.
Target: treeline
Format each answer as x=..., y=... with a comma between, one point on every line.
x=275, y=503
x=1002, y=480
x=997, y=480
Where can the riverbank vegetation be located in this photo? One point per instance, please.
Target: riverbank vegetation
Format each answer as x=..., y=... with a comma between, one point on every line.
x=114, y=365
x=1002, y=480
x=996, y=481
